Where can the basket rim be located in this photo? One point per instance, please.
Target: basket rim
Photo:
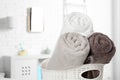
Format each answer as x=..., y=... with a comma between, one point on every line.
x=79, y=67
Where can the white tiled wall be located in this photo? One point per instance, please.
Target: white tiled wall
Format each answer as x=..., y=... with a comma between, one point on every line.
x=16, y=10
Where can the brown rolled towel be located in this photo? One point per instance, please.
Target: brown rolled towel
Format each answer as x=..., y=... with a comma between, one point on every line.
x=102, y=49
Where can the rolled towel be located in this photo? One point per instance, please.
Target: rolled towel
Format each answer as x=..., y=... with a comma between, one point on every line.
x=102, y=49
x=71, y=51
x=77, y=22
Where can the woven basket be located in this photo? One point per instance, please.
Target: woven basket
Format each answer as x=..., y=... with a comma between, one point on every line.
x=71, y=74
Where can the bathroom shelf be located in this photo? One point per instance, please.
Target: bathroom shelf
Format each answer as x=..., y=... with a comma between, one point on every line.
x=22, y=67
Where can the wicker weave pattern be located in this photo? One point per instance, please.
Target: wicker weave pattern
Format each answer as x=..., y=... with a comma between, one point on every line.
x=73, y=74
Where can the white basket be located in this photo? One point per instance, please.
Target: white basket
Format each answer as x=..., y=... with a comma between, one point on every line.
x=71, y=74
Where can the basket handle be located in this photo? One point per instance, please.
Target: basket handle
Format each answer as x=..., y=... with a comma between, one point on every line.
x=92, y=67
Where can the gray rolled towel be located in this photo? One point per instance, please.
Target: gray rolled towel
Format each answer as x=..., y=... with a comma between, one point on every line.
x=102, y=49
x=71, y=51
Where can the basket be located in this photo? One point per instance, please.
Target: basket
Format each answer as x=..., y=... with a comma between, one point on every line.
x=71, y=74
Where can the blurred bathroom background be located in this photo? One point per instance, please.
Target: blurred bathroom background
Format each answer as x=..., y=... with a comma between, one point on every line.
x=105, y=15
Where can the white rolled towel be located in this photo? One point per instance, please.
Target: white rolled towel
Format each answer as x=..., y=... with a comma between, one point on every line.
x=77, y=22
x=70, y=52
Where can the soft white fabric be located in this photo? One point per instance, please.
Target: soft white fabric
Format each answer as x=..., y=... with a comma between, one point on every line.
x=71, y=51
x=77, y=22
